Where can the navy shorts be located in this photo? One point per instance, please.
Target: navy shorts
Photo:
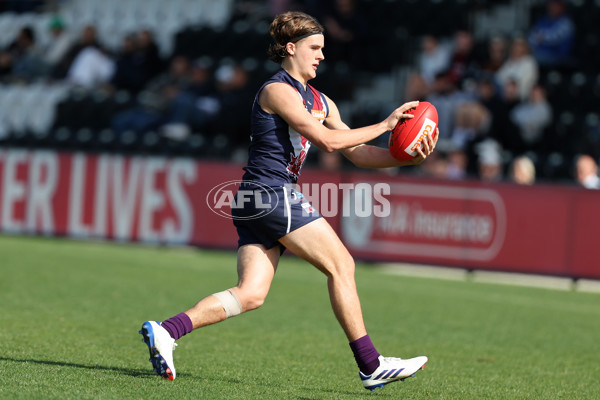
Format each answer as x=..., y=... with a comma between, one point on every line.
x=264, y=214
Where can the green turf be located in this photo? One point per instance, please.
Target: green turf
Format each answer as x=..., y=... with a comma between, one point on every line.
x=71, y=312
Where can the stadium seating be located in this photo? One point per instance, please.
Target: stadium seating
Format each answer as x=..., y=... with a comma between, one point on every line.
x=55, y=114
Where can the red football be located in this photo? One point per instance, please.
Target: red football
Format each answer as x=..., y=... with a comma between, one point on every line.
x=409, y=133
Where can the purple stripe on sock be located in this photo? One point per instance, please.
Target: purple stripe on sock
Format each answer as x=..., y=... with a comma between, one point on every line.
x=178, y=325
x=365, y=354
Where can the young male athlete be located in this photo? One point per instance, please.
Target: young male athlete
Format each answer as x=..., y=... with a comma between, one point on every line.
x=288, y=116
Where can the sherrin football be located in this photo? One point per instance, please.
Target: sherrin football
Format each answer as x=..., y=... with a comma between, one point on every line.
x=409, y=133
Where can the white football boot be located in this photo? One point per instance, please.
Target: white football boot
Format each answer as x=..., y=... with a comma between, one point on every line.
x=392, y=369
x=161, y=346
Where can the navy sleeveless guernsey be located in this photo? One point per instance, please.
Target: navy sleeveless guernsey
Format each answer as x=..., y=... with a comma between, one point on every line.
x=277, y=152
x=275, y=159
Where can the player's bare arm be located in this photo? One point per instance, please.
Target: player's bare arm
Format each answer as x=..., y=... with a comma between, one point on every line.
x=367, y=156
x=281, y=99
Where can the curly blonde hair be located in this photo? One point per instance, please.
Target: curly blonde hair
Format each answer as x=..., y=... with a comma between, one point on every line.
x=290, y=27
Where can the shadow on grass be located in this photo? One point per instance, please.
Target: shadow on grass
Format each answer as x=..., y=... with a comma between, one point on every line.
x=337, y=392
x=145, y=373
x=124, y=371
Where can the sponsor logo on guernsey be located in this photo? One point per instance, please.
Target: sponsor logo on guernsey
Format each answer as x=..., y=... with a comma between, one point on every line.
x=318, y=114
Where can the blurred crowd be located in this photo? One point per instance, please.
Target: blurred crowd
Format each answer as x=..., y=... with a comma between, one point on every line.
x=176, y=95
x=496, y=119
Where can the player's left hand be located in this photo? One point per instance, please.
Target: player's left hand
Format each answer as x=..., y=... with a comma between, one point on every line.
x=426, y=149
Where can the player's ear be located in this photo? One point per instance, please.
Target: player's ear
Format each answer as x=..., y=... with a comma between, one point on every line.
x=290, y=48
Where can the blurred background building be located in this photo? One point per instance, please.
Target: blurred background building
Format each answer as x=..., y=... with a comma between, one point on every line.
x=510, y=78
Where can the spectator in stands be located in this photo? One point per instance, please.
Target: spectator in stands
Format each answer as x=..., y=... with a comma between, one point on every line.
x=24, y=41
x=235, y=98
x=520, y=67
x=168, y=84
x=503, y=129
x=483, y=116
x=446, y=99
x=457, y=164
x=149, y=54
x=91, y=67
x=195, y=106
x=522, y=171
x=446, y=163
x=60, y=41
x=433, y=59
x=126, y=75
x=463, y=63
x=5, y=65
x=471, y=121
x=87, y=39
x=490, y=97
x=496, y=55
x=587, y=172
x=202, y=82
x=532, y=117
x=347, y=31
x=489, y=160
x=552, y=36
x=154, y=101
x=23, y=54
x=137, y=63
x=435, y=167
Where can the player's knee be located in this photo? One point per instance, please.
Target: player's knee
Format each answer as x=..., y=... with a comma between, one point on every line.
x=345, y=268
x=251, y=299
x=342, y=272
x=348, y=271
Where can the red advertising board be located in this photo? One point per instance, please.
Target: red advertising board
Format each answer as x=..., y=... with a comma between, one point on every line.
x=540, y=229
x=469, y=225
x=145, y=199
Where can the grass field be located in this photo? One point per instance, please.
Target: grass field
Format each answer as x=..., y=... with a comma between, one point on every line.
x=71, y=312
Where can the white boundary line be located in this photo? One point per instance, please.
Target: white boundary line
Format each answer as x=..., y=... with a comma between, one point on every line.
x=481, y=276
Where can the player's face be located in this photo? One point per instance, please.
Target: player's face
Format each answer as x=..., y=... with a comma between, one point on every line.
x=309, y=53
